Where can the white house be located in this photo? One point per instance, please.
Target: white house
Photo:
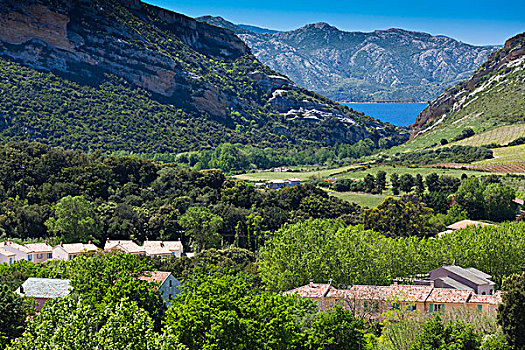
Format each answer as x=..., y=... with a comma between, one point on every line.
x=163, y=248
x=40, y=251
x=21, y=252
x=6, y=257
x=69, y=251
x=293, y=182
x=169, y=286
x=128, y=247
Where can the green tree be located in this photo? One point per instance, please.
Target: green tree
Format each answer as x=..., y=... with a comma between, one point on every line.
x=406, y=182
x=511, y=311
x=394, y=180
x=335, y=329
x=420, y=184
x=451, y=336
x=469, y=196
x=397, y=217
x=432, y=181
x=14, y=310
x=74, y=219
x=202, y=226
x=498, y=202
x=381, y=181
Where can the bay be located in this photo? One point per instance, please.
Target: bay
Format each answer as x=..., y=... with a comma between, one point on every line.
x=400, y=114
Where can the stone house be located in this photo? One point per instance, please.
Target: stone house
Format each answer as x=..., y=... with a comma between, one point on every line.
x=44, y=289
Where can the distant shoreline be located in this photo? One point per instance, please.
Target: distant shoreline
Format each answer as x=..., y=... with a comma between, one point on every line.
x=382, y=102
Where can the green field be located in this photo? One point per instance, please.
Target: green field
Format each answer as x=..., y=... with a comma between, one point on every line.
x=363, y=199
x=348, y=172
x=502, y=136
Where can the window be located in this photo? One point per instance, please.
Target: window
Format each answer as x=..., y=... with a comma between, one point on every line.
x=171, y=284
x=431, y=307
x=439, y=307
x=70, y=257
x=480, y=307
x=10, y=260
x=170, y=297
x=395, y=306
x=30, y=257
x=483, y=293
x=39, y=256
x=50, y=255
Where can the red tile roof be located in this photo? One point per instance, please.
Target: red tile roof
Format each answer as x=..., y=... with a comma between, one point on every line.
x=312, y=290
x=486, y=299
x=466, y=223
x=154, y=276
x=449, y=295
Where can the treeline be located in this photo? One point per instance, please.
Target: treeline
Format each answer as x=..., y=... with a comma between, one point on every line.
x=237, y=157
x=353, y=255
x=454, y=154
x=72, y=196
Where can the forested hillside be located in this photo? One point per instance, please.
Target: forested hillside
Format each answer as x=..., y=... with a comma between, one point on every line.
x=110, y=76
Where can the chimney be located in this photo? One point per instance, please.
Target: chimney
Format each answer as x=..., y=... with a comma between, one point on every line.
x=311, y=283
x=179, y=239
x=330, y=282
x=432, y=284
x=147, y=239
x=395, y=283
x=61, y=244
x=22, y=290
x=45, y=242
x=162, y=244
x=107, y=240
x=89, y=242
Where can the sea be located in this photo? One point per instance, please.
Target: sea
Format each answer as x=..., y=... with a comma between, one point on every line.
x=400, y=114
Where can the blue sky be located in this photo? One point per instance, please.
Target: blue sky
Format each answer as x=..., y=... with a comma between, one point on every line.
x=478, y=22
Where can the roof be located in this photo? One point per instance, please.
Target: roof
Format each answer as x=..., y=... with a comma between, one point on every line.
x=294, y=179
x=154, y=276
x=126, y=246
x=453, y=283
x=162, y=247
x=447, y=295
x=518, y=201
x=14, y=245
x=486, y=299
x=6, y=252
x=46, y=288
x=39, y=248
x=77, y=248
x=276, y=181
x=312, y=290
x=466, y=274
x=406, y=293
x=479, y=273
x=466, y=223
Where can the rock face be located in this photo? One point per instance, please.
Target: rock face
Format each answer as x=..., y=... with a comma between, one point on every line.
x=384, y=65
x=201, y=69
x=500, y=64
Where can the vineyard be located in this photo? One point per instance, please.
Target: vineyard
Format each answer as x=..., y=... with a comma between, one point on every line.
x=502, y=136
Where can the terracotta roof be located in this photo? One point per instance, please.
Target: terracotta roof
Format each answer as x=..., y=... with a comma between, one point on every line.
x=39, y=248
x=6, y=252
x=45, y=288
x=406, y=293
x=466, y=223
x=518, y=201
x=312, y=290
x=77, y=248
x=486, y=299
x=161, y=247
x=126, y=246
x=14, y=245
x=448, y=295
x=154, y=276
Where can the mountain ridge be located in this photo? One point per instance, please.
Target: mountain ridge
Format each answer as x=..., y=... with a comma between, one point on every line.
x=392, y=65
x=181, y=84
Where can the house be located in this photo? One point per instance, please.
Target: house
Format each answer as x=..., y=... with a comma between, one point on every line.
x=44, y=289
x=7, y=257
x=128, y=247
x=71, y=250
x=21, y=252
x=293, y=182
x=276, y=184
x=372, y=301
x=456, y=277
x=40, y=251
x=169, y=286
x=466, y=223
x=163, y=248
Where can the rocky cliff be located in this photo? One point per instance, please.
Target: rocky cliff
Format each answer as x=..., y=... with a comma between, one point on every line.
x=500, y=77
x=384, y=65
x=159, y=58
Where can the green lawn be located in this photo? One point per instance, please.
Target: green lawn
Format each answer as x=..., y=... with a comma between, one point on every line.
x=363, y=199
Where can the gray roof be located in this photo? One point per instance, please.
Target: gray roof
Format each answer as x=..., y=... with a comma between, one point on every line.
x=479, y=273
x=469, y=275
x=453, y=283
x=46, y=288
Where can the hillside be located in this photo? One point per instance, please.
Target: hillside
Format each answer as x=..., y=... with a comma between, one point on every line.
x=384, y=65
x=491, y=102
x=127, y=76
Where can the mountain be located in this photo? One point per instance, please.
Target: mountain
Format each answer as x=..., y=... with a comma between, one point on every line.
x=124, y=75
x=493, y=97
x=258, y=30
x=384, y=65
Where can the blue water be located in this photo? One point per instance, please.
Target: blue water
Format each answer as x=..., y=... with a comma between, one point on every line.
x=400, y=114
